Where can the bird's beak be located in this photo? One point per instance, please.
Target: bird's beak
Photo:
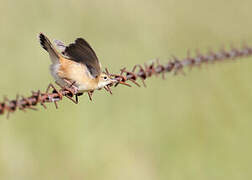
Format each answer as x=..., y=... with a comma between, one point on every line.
x=113, y=80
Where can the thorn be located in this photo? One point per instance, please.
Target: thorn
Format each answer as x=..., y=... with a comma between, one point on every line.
x=135, y=82
x=124, y=83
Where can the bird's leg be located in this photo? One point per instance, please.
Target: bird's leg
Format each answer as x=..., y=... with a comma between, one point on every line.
x=71, y=85
x=90, y=93
x=107, y=88
x=71, y=88
x=76, y=96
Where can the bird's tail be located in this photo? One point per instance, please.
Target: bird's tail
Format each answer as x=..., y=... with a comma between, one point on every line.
x=47, y=45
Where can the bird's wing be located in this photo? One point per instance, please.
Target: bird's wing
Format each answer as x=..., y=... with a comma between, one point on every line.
x=80, y=51
x=47, y=45
x=60, y=45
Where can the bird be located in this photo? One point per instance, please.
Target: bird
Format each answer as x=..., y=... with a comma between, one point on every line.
x=76, y=65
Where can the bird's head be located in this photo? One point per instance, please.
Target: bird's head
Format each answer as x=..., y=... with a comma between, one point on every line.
x=105, y=80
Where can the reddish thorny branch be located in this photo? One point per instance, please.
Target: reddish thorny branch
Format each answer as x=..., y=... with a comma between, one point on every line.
x=138, y=72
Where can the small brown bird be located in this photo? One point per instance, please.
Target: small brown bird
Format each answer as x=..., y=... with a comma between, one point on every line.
x=76, y=65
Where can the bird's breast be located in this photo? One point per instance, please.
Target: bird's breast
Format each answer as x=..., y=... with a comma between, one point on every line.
x=77, y=73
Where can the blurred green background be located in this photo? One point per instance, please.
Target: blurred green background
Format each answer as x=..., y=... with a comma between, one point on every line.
x=196, y=126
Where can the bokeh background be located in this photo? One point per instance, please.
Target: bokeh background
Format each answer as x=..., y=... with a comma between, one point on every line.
x=196, y=126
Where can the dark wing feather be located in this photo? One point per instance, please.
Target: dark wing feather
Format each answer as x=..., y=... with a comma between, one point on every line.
x=80, y=51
